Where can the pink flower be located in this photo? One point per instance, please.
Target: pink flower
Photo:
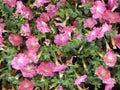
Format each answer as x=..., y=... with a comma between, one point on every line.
x=75, y=23
x=46, y=69
x=60, y=88
x=112, y=4
x=61, y=39
x=117, y=40
x=32, y=56
x=32, y=44
x=1, y=29
x=79, y=80
x=93, y=34
x=103, y=73
x=110, y=58
x=28, y=71
x=69, y=61
x=42, y=26
x=105, y=28
x=83, y=1
x=47, y=42
x=39, y=3
x=19, y=61
x=90, y=23
x=51, y=10
x=68, y=29
x=109, y=83
x=112, y=17
x=26, y=85
x=11, y=3
x=98, y=9
x=1, y=42
x=24, y=10
x=59, y=68
x=25, y=29
x=15, y=39
x=44, y=17
x=78, y=36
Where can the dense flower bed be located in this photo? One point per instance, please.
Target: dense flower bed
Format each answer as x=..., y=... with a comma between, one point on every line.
x=59, y=44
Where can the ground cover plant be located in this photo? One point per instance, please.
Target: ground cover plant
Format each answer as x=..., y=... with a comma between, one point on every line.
x=59, y=44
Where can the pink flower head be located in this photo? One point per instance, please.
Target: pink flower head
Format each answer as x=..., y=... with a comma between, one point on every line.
x=46, y=69
x=108, y=87
x=60, y=68
x=42, y=26
x=79, y=80
x=112, y=4
x=28, y=71
x=83, y=1
x=75, y=23
x=112, y=17
x=1, y=29
x=47, y=42
x=11, y=3
x=40, y=3
x=24, y=10
x=93, y=34
x=98, y=9
x=68, y=29
x=32, y=44
x=90, y=23
x=1, y=42
x=69, y=61
x=51, y=10
x=15, y=39
x=103, y=73
x=61, y=39
x=105, y=28
x=117, y=40
x=110, y=58
x=26, y=85
x=78, y=36
x=25, y=29
x=32, y=56
x=44, y=17
x=110, y=81
x=19, y=61
x=60, y=88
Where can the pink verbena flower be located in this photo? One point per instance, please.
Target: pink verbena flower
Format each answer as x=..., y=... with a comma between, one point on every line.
x=28, y=71
x=51, y=10
x=11, y=3
x=59, y=68
x=24, y=10
x=47, y=42
x=26, y=85
x=40, y=3
x=105, y=28
x=98, y=9
x=42, y=26
x=25, y=29
x=32, y=44
x=103, y=73
x=83, y=1
x=15, y=39
x=60, y=88
x=1, y=42
x=90, y=23
x=32, y=56
x=61, y=39
x=112, y=4
x=1, y=29
x=112, y=17
x=117, y=40
x=19, y=61
x=44, y=17
x=93, y=34
x=109, y=83
x=79, y=80
x=68, y=29
x=46, y=69
x=110, y=58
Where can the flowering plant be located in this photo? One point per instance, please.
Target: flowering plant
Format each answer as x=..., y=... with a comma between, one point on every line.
x=59, y=44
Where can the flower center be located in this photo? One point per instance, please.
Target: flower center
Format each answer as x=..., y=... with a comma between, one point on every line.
x=26, y=86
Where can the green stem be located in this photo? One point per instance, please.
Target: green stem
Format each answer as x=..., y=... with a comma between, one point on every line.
x=84, y=65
